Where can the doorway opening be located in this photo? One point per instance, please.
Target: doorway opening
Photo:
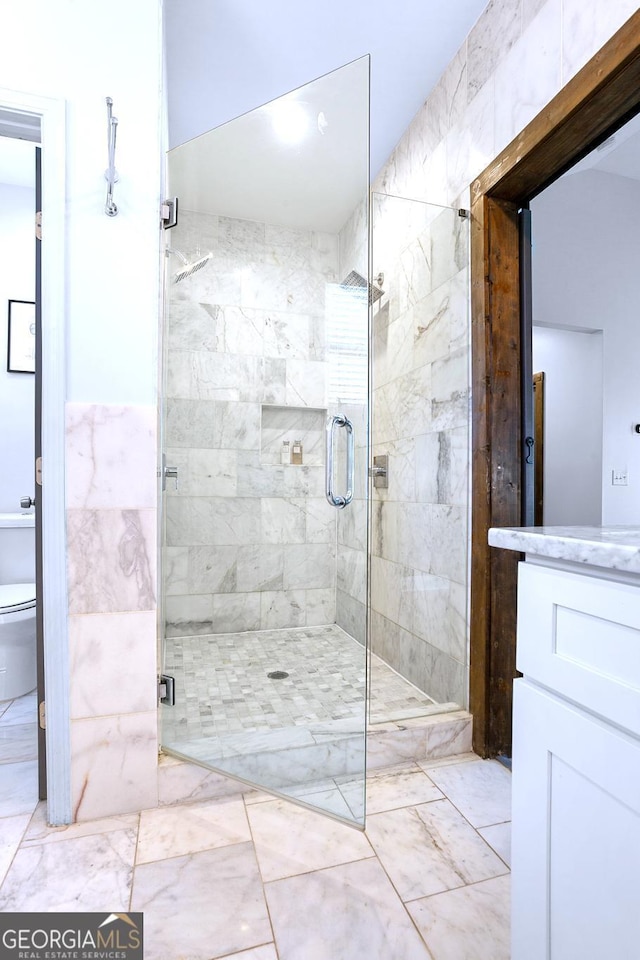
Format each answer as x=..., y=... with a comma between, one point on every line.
x=598, y=101
x=21, y=757
x=35, y=119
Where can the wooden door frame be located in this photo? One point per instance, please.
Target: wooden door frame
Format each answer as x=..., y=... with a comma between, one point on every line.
x=598, y=100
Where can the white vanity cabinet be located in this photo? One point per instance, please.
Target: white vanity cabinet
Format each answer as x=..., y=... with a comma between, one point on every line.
x=576, y=755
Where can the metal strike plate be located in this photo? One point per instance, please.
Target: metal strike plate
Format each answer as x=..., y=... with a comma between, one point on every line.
x=169, y=213
x=167, y=690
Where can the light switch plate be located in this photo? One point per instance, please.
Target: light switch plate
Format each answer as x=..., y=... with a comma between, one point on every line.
x=619, y=477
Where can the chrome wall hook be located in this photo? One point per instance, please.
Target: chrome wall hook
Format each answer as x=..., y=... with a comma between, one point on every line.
x=111, y=174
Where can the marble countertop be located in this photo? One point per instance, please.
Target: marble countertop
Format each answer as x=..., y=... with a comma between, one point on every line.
x=615, y=547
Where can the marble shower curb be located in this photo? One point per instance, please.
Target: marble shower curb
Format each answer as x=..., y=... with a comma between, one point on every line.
x=417, y=739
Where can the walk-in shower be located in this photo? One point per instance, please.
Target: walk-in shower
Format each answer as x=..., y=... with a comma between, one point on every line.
x=271, y=539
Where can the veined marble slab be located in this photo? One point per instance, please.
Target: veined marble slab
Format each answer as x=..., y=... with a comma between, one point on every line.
x=615, y=547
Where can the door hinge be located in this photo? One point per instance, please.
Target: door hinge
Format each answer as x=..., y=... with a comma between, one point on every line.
x=38, y=224
x=42, y=720
x=39, y=471
x=167, y=690
x=380, y=471
x=169, y=213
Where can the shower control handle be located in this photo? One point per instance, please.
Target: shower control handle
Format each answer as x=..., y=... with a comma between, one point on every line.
x=27, y=502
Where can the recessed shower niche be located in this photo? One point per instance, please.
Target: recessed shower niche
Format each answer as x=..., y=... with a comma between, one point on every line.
x=287, y=425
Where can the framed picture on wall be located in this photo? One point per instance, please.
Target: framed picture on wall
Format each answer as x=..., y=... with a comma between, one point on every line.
x=21, y=346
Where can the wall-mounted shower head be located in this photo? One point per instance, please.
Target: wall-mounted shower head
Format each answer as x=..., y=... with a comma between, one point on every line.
x=356, y=282
x=189, y=267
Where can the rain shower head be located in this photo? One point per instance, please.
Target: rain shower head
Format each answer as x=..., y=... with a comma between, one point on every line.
x=357, y=282
x=189, y=267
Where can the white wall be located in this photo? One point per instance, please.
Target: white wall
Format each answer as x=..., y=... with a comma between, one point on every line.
x=17, y=282
x=84, y=52
x=586, y=273
x=572, y=366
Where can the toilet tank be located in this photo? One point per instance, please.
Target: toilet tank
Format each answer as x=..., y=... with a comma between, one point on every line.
x=17, y=548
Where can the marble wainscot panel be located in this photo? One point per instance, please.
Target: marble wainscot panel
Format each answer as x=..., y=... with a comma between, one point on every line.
x=111, y=536
x=110, y=519
x=111, y=560
x=105, y=447
x=114, y=764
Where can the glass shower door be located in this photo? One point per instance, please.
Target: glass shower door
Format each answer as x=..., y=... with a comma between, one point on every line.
x=265, y=439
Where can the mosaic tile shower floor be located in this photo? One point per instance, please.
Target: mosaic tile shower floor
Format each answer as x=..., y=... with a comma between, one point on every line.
x=222, y=686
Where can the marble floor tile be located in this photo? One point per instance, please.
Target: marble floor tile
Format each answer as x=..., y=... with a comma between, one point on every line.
x=18, y=788
x=22, y=710
x=430, y=848
x=39, y=831
x=499, y=837
x=349, y=912
x=333, y=892
x=204, y=906
x=211, y=670
x=290, y=840
x=431, y=764
x=481, y=790
x=332, y=799
x=89, y=873
x=184, y=829
x=11, y=832
x=18, y=742
x=471, y=923
x=399, y=787
x=266, y=952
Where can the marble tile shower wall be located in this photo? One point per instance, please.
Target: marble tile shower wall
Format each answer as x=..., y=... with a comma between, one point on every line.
x=250, y=542
x=518, y=55
x=515, y=59
x=420, y=415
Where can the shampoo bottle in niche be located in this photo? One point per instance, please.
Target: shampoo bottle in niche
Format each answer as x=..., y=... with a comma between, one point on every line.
x=296, y=452
x=285, y=453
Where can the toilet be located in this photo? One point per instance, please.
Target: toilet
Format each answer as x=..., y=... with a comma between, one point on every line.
x=17, y=605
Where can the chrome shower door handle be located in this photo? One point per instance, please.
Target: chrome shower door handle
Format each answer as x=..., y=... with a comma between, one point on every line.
x=340, y=502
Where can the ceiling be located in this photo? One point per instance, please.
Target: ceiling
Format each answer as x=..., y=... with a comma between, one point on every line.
x=226, y=57
x=620, y=154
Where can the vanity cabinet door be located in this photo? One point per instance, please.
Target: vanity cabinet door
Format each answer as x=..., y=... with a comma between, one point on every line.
x=576, y=833
x=579, y=636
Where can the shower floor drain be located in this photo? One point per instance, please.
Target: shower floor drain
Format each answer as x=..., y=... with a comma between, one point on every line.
x=277, y=675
